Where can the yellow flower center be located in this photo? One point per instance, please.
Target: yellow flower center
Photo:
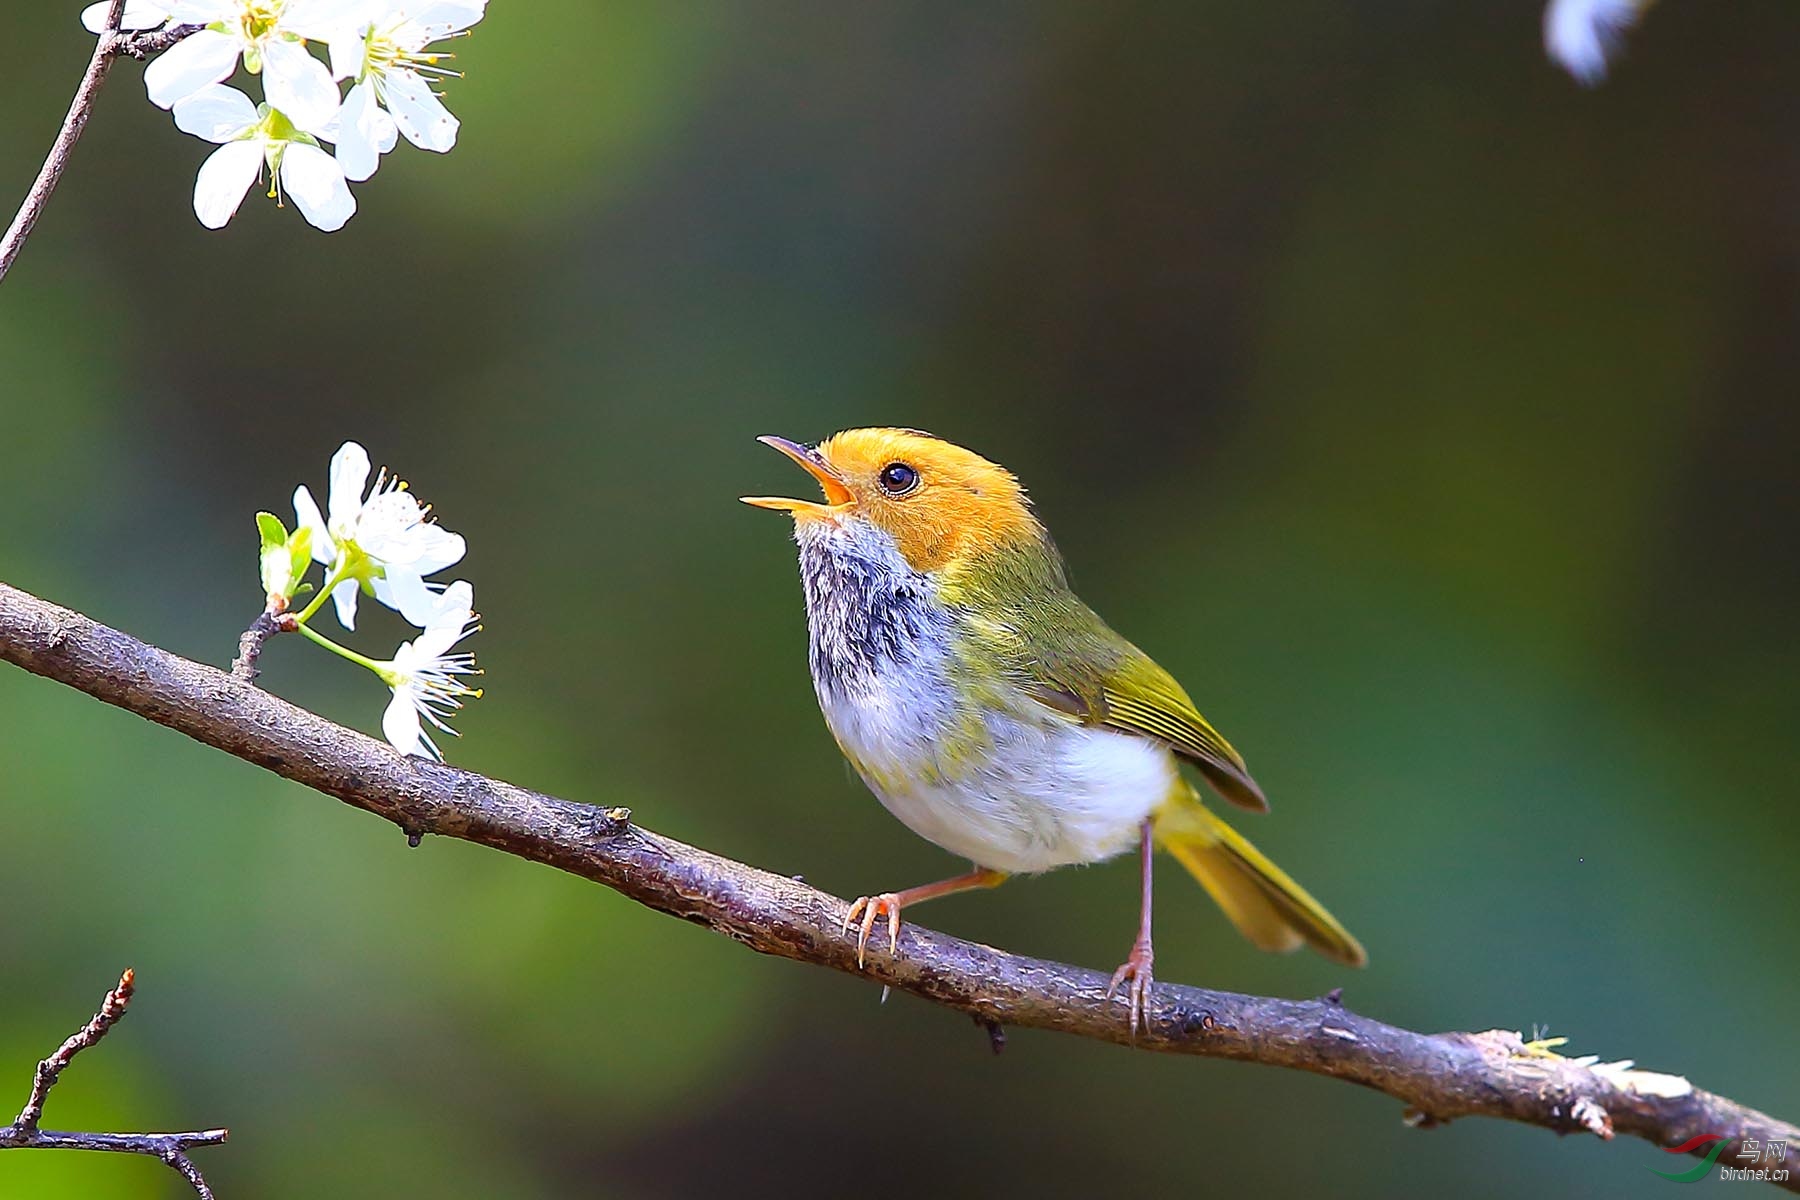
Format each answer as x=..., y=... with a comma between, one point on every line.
x=258, y=18
x=382, y=54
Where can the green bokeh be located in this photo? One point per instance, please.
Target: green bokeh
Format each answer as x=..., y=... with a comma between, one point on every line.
x=1426, y=415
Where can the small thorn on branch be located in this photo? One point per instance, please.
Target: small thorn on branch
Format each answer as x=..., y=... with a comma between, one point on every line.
x=24, y=1133
x=996, y=1033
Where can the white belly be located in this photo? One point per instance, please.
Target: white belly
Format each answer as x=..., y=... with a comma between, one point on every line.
x=1026, y=788
x=1035, y=793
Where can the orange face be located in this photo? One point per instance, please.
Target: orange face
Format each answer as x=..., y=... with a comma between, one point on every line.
x=939, y=502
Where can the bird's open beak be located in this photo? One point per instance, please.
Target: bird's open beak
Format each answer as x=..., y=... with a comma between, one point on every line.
x=838, y=498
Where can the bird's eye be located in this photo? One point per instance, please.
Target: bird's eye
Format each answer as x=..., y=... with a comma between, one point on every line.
x=897, y=479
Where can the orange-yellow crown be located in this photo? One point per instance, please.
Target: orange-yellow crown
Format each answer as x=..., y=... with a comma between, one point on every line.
x=942, y=504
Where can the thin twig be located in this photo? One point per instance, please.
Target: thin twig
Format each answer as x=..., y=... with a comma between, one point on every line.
x=154, y=41
x=109, y=45
x=48, y=1071
x=66, y=137
x=1438, y=1076
x=268, y=623
x=172, y=1148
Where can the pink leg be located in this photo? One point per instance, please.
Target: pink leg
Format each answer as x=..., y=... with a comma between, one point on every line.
x=871, y=907
x=1135, y=973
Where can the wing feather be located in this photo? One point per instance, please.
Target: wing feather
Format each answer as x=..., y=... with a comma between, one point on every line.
x=1172, y=719
x=1020, y=615
x=1120, y=687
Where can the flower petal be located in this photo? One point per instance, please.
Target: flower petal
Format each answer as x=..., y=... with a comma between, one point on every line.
x=298, y=84
x=436, y=640
x=307, y=516
x=424, y=120
x=440, y=20
x=343, y=597
x=456, y=605
x=224, y=177
x=323, y=20
x=349, y=476
x=435, y=548
x=139, y=14
x=189, y=65
x=400, y=723
x=315, y=183
x=347, y=46
x=363, y=128
x=1583, y=34
x=405, y=592
x=201, y=12
x=215, y=112
x=448, y=621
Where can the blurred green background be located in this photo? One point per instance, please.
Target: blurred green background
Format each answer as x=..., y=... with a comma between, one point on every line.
x=1429, y=417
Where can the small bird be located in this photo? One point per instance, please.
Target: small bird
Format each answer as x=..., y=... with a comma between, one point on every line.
x=994, y=713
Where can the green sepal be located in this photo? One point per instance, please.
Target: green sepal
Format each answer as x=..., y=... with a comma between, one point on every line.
x=276, y=563
x=273, y=532
x=285, y=556
x=299, y=545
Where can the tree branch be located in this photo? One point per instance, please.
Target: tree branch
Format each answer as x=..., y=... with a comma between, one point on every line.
x=152, y=41
x=1438, y=1076
x=172, y=1148
x=108, y=46
x=251, y=642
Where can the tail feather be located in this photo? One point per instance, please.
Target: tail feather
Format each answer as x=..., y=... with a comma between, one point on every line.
x=1267, y=906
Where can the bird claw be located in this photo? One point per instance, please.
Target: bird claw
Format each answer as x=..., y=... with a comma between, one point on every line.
x=869, y=909
x=1134, y=974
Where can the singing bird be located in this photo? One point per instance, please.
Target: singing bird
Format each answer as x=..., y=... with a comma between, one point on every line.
x=998, y=716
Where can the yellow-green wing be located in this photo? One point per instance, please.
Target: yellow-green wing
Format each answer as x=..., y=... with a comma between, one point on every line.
x=1074, y=662
x=1140, y=697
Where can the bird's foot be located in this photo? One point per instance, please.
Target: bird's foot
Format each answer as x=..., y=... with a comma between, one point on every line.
x=869, y=909
x=1135, y=977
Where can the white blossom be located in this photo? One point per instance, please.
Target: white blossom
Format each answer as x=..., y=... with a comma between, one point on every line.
x=384, y=48
x=251, y=138
x=269, y=35
x=139, y=14
x=385, y=56
x=378, y=537
x=1583, y=34
x=424, y=675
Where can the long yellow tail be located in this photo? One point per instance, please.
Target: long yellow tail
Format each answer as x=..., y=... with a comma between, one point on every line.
x=1269, y=908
